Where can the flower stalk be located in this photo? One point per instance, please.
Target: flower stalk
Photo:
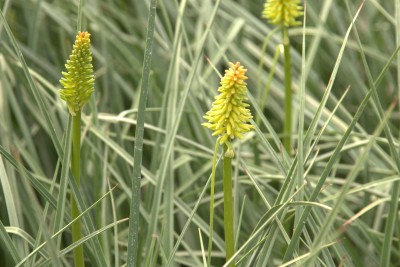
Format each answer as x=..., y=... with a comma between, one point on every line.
x=78, y=85
x=228, y=118
x=284, y=13
x=76, y=170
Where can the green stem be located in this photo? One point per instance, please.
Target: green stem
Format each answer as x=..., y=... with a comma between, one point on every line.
x=287, y=130
x=75, y=166
x=228, y=208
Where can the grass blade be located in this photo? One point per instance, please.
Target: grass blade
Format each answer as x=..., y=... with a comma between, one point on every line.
x=133, y=239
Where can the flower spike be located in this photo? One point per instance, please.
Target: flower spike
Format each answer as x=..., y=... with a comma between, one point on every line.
x=283, y=12
x=229, y=116
x=78, y=81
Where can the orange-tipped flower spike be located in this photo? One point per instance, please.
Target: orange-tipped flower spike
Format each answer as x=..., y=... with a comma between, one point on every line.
x=78, y=81
x=229, y=116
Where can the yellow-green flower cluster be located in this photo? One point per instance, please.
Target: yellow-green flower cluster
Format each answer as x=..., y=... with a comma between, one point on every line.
x=283, y=12
x=229, y=116
x=78, y=81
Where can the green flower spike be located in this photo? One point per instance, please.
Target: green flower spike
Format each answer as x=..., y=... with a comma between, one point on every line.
x=78, y=81
x=283, y=12
x=229, y=116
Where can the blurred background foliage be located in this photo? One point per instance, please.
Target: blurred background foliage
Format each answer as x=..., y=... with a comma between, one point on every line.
x=45, y=32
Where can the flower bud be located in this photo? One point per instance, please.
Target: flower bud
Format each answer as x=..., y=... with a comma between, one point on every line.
x=283, y=12
x=229, y=116
x=78, y=81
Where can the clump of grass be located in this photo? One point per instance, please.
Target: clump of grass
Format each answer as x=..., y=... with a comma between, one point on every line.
x=343, y=184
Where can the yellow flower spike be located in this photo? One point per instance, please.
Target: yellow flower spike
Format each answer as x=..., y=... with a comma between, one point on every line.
x=283, y=12
x=78, y=81
x=229, y=116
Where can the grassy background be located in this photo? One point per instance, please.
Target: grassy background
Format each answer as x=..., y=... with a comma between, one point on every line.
x=346, y=187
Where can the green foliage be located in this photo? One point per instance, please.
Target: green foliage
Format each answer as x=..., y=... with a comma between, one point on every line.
x=332, y=203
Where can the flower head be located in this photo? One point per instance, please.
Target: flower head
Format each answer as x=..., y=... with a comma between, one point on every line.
x=282, y=12
x=78, y=81
x=229, y=116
